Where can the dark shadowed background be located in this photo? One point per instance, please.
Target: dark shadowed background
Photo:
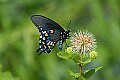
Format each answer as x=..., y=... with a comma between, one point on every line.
x=19, y=38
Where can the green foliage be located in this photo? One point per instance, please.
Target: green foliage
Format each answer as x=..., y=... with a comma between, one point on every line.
x=75, y=75
x=86, y=61
x=88, y=73
x=73, y=56
x=77, y=58
x=63, y=55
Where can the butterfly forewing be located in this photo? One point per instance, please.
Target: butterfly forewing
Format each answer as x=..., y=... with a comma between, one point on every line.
x=45, y=23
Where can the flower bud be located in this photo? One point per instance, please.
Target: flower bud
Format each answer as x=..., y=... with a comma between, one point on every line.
x=69, y=50
x=93, y=54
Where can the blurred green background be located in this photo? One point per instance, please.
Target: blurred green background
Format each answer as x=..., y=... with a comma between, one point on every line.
x=19, y=38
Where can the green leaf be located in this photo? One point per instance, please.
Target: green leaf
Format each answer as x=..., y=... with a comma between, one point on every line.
x=88, y=73
x=86, y=62
x=74, y=75
x=81, y=78
x=63, y=55
x=75, y=57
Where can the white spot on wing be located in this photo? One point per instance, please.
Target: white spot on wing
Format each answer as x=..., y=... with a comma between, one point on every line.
x=40, y=36
x=43, y=32
x=51, y=43
x=40, y=46
x=39, y=41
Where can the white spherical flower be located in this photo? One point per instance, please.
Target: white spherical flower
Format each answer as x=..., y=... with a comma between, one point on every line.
x=83, y=42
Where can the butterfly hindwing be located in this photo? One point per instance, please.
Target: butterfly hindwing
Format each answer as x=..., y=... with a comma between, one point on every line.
x=48, y=40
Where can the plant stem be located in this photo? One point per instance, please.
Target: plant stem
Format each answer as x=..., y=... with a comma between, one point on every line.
x=80, y=69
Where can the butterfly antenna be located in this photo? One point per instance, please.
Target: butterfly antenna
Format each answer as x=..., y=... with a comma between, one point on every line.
x=69, y=24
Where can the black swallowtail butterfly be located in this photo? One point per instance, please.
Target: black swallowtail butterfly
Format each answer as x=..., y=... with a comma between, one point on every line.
x=51, y=33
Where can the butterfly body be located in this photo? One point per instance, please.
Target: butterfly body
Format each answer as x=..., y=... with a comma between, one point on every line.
x=51, y=33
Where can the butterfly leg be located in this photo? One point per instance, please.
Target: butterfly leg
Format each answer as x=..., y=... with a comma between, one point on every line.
x=60, y=44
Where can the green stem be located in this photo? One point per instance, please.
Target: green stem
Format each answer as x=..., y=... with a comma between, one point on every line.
x=81, y=67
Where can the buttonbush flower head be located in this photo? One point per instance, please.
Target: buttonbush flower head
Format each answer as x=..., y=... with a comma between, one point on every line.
x=83, y=42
